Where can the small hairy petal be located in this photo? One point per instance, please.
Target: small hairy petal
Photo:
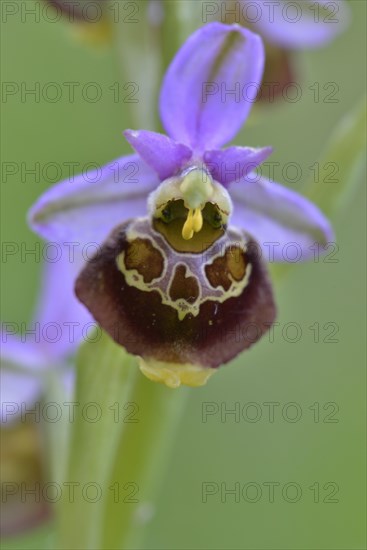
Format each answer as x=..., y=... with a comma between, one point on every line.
x=232, y=164
x=200, y=308
x=306, y=24
x=86, y=208
x=277, y=218
x=162, y=154
x=209, y=88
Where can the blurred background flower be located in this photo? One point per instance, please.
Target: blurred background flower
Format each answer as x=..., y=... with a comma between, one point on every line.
x=89, y=19
x=286, y=28
x=27, y=358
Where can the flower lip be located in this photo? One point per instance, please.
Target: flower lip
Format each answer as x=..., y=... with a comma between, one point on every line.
x=190, y=310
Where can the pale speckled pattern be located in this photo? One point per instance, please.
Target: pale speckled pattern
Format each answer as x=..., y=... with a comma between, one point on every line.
x=195, y=267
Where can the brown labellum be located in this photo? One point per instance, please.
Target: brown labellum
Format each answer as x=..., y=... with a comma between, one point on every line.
x=79, y=10
x=278, y=74
x=199, y=307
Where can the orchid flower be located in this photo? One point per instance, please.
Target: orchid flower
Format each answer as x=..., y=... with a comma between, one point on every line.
x=84, y=11
x=180, y=282
x=48, y=343
x=300, y=25
x=89, y=18
x=54, y=334
x=286, y=27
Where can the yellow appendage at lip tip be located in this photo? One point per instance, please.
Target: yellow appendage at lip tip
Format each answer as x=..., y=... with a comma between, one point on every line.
x=175, y=375
x=193, y=223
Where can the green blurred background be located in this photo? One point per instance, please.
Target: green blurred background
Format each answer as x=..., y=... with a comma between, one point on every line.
x=304, y=372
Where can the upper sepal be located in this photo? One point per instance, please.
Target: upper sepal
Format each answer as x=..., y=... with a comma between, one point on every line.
x=209, y=87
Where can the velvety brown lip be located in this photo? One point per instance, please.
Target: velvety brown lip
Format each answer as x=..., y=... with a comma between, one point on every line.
x=145, y=326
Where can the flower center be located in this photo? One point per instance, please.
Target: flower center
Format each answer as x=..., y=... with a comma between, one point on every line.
x=190, y=204
x=197, y=189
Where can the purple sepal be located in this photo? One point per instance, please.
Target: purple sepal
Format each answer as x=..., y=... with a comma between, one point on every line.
x=84, y=210
x=283, y=222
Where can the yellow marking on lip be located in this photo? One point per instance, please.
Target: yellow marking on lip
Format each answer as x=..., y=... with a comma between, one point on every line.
x=207, y=292
x=197, y=219
x=193, y=223
x=188, y=230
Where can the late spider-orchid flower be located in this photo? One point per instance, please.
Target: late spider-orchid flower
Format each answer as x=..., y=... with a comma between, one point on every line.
x=286, y=28
x=297, y=25
x=47, y=343
x=180, y=283
x=91, y=19
x=26, y=357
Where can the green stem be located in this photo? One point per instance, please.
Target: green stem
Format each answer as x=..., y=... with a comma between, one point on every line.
x=146, y=44
x=138, y=59
x=345, y=156
x=105, y=374
x=180, y=20
x=57, y=434
x=140, y=462
x=119, y=443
